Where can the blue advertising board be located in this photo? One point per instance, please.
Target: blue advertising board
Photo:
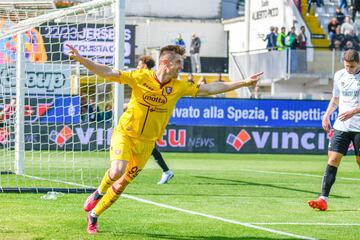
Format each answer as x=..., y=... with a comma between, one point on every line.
x=62, y=110
x=249, y=112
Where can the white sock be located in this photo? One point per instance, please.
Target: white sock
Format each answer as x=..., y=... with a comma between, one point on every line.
x=324, y=198
x=100, y=193
x=92, y=214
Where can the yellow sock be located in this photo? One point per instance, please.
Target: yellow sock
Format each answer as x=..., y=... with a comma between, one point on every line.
x=106, y=201
x=106, y=182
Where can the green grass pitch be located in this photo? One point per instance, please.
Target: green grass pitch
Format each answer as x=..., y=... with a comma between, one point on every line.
x=267, y=191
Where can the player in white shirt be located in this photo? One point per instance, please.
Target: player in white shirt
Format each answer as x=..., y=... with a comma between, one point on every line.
x=346, y=96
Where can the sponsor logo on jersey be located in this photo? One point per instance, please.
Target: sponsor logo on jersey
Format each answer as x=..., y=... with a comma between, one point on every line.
x=154, y=99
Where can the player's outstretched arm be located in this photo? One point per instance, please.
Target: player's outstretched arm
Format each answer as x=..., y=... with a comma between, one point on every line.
x=221, y=87
x=99, y=69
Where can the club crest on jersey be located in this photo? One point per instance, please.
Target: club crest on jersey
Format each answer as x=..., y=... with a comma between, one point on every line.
x=168, y=90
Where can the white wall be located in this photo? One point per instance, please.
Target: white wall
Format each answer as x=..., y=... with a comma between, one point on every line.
x=155, y=32
x=261, y=15
x=174, y=8
x=237, y=34
x=264, y=14
x=293, y=89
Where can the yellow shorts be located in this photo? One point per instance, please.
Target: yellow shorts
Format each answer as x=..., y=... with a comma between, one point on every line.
x=136, y=152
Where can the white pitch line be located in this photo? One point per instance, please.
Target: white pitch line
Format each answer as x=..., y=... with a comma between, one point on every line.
x=296, y=174
x=248, y=225
x=299, y=223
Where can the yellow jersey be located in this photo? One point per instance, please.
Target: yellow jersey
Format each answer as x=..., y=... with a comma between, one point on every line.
x=151, y=104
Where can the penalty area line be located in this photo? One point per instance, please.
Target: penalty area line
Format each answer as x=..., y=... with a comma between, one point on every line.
x=248, y=225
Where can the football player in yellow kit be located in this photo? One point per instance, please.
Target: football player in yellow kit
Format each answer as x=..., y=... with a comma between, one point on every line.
x=147, y=62
x=153, y=99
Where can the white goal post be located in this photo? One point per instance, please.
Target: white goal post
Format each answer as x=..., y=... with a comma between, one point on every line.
x=56, y=117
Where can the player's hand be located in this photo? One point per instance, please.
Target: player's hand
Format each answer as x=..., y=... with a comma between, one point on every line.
x=73, y=53
x=326, y=125
x=347, y=115
x=253, y=79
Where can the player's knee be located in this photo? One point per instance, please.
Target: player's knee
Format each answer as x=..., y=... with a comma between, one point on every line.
x=117, y=169
x=334, y=158
x=334, y=162
x=114, y=173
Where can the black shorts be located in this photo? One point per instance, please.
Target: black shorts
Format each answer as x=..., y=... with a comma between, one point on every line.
x=340, y=142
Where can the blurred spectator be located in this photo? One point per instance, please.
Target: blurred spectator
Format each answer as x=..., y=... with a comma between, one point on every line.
x=291, y=39
x=7, y=113
x=310, y=2
x=355, y=7
x=301, y=55
x=89, y=110
x=271, y=39
x=94, y=110
x=346, y=26
x=84, y=114
x=195, y=54
x=83, y=101
x=337, y=45
x=338, y=39
x=343, y=4
x=179, y=41
x=349, y=45
x=302, y=38
x=280, y=39
x=190, y=78
x=84, y=109
x=333, y=24
x=292, y=43
x=339, y=15
x=353, y=38
x=108, y=112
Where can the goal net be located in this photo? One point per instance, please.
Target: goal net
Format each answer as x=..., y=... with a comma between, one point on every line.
x=55, y=116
